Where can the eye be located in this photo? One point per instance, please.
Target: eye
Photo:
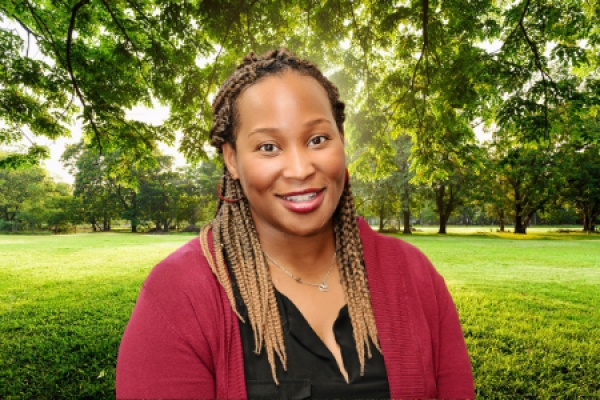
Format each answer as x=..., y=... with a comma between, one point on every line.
x=317, y=140
x=268, y=148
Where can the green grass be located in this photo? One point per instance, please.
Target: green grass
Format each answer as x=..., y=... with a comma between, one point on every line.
x=529, y=309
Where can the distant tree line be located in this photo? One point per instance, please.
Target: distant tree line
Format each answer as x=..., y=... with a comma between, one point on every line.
x=516, y=187
x=161, y=198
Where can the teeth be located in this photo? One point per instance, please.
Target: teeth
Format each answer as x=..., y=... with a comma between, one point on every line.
x=301, y=197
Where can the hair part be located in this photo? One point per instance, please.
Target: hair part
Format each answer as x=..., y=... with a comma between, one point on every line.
x=234, y=232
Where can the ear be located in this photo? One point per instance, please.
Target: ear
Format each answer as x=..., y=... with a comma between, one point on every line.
x=342, y=135
x=230, y=160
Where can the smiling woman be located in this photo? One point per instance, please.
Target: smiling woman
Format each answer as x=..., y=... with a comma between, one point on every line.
x=328, y=308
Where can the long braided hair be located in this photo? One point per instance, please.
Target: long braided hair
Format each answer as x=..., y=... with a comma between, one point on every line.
x=234, y=233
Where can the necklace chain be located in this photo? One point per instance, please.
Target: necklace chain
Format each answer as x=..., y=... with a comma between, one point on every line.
x=322, y=286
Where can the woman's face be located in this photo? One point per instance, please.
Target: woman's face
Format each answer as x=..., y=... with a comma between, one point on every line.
x=289, y=155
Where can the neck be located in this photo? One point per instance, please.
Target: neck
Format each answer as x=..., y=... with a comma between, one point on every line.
x=306, y=256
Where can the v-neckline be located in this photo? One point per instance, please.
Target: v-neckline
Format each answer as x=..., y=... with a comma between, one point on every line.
x=313, y=341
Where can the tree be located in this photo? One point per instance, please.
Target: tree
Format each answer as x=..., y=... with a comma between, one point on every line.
x=98, y=200
x=158, y=194
x=494, y=189
x=29, y=197
x=21, y=190
x=61, y=212
x=100, y=58
x=581, y=176
x=199, y=185
x=531, y=174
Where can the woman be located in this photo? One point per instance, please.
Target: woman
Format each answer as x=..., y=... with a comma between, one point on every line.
x=328, y=308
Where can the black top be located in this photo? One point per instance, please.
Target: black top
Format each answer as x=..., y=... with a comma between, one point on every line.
x=312, y=371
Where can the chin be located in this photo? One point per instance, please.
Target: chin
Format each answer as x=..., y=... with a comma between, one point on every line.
x=306, y=226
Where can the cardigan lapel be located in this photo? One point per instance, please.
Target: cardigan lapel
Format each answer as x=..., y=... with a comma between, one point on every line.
x=387, y=274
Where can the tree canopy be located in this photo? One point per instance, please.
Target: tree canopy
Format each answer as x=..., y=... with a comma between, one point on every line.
x=526, y=71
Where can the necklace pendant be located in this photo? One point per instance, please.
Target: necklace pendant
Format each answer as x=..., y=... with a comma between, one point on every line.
x=323, y=287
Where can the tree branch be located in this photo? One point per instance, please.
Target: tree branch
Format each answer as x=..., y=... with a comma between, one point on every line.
x=87, y=113
x=214, y=71
x=516, y=26
x=114, y=18
x=41, y=25
x=362, y=46
x=21, y=23
x=150, y=24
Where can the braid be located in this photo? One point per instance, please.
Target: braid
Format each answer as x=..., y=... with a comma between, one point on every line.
x=234, y=232
x=251, y=70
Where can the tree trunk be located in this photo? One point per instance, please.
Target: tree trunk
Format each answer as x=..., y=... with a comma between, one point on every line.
x=443, y=209
x=406, y=212
x=589, y=221
x=519, y=226
x=166, y=226
x=501, y=219
x=94, y=225
x=407, y=230
x=443, y=222
x=158, y=226
x=134, y=221
x=105, y=224
x=381, y=212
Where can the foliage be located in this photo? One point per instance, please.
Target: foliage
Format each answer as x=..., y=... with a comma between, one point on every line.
x=161, y=195
x=96, y=200
x=29, y=197
x=581, y=177
x=527, y=70
x=381, y=179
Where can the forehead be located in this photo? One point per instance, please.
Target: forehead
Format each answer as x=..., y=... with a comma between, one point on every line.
x=278, y=99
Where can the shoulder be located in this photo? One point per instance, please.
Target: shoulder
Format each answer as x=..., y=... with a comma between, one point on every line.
x=184, y=280
x=185, y=267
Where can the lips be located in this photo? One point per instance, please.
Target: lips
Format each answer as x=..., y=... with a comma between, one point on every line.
x=303, y=201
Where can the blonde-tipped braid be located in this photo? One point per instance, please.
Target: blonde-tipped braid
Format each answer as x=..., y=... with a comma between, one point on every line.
x=234, y=233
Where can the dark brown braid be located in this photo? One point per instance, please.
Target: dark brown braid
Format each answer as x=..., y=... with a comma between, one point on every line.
x=234, y=233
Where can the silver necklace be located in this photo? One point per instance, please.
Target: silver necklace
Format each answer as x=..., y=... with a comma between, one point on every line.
x=322, y=286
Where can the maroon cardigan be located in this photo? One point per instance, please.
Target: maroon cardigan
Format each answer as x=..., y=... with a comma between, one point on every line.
x=183, y=339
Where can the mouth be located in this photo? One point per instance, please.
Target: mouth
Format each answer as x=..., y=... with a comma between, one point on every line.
x=304, y=195
x=304, y=201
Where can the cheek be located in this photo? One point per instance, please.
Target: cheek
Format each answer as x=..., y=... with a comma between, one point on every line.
x=337, y=166
x=257, y=176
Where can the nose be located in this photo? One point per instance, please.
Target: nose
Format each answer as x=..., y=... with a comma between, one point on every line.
x=299, y=164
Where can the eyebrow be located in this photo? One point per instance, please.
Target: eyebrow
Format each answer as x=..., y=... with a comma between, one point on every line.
x=306, y=124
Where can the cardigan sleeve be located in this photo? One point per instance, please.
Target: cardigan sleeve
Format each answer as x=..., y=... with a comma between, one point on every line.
x=156, y=361
x=454, y=372
x=178, y=343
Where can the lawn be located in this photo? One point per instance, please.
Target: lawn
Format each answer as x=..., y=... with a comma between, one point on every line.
x=529, y=309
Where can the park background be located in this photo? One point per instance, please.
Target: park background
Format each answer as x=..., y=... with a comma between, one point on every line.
x=472, y=131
